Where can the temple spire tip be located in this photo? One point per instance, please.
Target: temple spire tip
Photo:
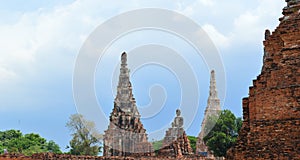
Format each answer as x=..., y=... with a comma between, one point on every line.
x=124, y=58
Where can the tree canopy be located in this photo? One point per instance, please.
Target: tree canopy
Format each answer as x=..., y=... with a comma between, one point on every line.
x=224, y=133
x=86, y=139
x=157, y=145
x=193, y=141
x=15, y=142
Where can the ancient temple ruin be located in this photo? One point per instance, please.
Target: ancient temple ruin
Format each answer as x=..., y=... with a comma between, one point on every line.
x=125, y=135
x=212, y=109
x=271, y=113
x=176, y=142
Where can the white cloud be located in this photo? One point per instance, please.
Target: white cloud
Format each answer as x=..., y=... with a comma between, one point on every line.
x=192, y=8
x=218, y=38
x=6, y=75
x=249, y=26
x=234, y=23
x=41, y=43
x=207, y=2
x=50, y=38
x=36, y=34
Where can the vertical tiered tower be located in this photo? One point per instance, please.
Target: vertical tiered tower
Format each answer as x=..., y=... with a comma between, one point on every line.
x=271, y=113
x=212, y=109
x=175, y=142
x=125, y=135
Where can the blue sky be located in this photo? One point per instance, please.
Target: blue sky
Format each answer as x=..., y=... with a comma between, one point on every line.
x=40, y=40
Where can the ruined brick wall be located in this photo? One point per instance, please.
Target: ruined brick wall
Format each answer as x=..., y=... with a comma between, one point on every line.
x=51, y=156
x=271, y=126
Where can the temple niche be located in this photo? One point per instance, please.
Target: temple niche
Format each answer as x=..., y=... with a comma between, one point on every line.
x=125, y=135
x=212, y=109
x=175, y=142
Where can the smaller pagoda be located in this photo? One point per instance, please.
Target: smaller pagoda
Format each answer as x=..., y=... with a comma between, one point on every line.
x=176, y=142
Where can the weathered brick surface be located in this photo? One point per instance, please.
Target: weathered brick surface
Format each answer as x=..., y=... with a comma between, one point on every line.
x=51, y=156
x=271, y=126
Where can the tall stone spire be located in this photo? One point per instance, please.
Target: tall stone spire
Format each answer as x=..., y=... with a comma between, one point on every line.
x=213, y=102
x=125, y=135
x=212, y=109
x=124, y=99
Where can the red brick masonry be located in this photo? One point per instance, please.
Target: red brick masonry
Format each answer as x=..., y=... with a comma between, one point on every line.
x=51, y=156
x=271, y=126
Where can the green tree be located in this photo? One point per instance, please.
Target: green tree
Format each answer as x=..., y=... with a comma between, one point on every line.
x=86, y=139
x=15, y=142
x=157, y=145
x=53, y=147
x=239, y=123
x=224, y=133
x=1, y=148
x=9, y=134
x=193, y=141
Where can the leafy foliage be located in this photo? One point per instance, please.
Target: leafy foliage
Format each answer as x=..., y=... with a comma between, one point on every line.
x=15, y=142
x=86, y=140
x=239, y=123
x=193, y=141
x=53, y=147
x=224, y=133
x=157, y=145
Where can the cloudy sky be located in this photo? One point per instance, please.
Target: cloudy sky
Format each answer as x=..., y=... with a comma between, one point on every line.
x=40, y=41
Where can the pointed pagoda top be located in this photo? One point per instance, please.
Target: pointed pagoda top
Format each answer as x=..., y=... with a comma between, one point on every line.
x=124, y=58
x=213, y=101
x=124, y=99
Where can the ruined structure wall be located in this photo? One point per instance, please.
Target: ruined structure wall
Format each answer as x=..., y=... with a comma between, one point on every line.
x=51, y=156
x=271, y=113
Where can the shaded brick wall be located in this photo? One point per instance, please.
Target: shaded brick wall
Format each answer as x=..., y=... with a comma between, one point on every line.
x=271, y=126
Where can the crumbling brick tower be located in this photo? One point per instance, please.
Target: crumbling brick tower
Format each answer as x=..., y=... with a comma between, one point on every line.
x=176, y=142
x=271, y=126
x=125, y=135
